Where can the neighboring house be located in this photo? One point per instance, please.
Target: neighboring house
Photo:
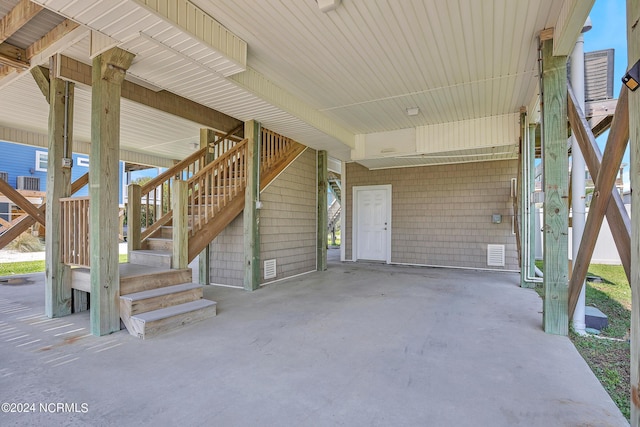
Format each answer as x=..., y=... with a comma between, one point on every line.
x=26, y=169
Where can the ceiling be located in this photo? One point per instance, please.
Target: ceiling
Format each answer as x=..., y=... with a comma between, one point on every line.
x=329, y=80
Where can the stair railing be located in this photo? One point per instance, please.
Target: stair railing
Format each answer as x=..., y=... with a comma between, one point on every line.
x=216, y=185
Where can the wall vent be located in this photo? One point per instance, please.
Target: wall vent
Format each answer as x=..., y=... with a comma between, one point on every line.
x=269, y=269
x=30, y=183
x=495, y=255
x=4, y=176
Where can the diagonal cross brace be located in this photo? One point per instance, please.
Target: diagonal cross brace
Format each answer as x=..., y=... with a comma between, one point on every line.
x=604, y=168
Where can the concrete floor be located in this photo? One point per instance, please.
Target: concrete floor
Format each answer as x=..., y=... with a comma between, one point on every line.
x=357, y=345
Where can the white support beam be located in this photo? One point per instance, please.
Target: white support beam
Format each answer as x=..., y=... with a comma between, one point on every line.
x=569, y=25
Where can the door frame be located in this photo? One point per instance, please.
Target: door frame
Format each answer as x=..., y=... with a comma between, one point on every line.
x=357, y=190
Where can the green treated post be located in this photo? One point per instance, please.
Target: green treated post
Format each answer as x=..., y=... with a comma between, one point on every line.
x=108, y=73
x=207, y=136
x=180, y=258
x=322, y=211
x=532, y=206
x=556, y=191
x=251, y=216
x=58, y=275
x=633, y=53
x=134, y=219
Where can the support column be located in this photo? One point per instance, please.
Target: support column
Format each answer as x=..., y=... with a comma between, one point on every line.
x=322, y=211
x=108, y=73
x=556, y=191
x=180, y=251
x=578, y=206
x=633, y=53
x=251, y=216
x=207, y=136
x=58, y=275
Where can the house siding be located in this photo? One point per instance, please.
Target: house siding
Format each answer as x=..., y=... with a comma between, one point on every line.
x=442, y=215
x=287, y=228
x=20, y=160
x=288, y=219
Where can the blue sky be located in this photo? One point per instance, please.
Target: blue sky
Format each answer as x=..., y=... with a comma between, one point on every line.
x=610, y=31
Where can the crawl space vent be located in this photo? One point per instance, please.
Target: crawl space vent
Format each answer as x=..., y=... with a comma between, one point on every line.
x=495, y=255
x=270, y=269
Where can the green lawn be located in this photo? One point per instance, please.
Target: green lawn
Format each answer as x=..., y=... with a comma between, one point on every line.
x=25, y=267
x=609, y=359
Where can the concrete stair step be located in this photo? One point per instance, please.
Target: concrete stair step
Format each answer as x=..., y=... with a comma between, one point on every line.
x=155, y=299
x=155, y=322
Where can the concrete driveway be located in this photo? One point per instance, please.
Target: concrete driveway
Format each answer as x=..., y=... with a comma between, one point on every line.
x=357, y=345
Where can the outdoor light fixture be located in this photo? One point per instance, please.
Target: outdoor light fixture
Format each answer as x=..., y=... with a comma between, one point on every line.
x=632, y=78
x=413, y=111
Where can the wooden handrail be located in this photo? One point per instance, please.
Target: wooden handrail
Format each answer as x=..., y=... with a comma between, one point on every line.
x=173, y=171
x=20, y=225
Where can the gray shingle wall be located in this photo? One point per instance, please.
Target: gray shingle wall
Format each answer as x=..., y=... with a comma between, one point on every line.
x=287, y=227
x=441, y=215
x=288, y=218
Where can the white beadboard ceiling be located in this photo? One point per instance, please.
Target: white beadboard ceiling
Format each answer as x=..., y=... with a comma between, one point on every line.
x=324, y=79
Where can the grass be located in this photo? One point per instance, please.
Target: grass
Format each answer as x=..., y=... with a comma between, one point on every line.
x=608, y=359
x=25, y=267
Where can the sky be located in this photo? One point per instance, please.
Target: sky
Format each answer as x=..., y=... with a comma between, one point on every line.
x=610, y=31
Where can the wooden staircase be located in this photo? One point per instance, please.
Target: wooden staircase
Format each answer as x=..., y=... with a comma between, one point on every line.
x=155, y=300
x=159, y=298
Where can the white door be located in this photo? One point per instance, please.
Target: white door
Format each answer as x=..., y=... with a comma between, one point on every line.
x=373, y=223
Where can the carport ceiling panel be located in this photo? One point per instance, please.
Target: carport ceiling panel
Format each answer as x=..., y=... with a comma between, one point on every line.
x=354, y=59
x=127, y=20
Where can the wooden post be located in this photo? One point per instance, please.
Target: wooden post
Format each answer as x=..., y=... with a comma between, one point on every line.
x=58, y=275
x=556, y=186
x=179, y=203
x=321, y=257
x=207, y=136
x=108, y=73
x=251, y=213
x=134, y=223
x=633, y=53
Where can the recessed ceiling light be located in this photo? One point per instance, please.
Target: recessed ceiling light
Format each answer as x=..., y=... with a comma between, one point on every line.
x=413, y=111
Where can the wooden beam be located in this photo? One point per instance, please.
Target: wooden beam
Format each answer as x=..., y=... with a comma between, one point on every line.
x=617, y=215
x=41, y=76
x=321, y=246
x=633, y=53
x=58, y=275
x=6, y=70
x=21, y=13
x=179, y=206
x=251, y=211
x=53, y=36
x=109, y=70
x=556, y=185
x=21, y=201
x=73, y=70
x=207, y=137
x=13, y=56
x=604, y=185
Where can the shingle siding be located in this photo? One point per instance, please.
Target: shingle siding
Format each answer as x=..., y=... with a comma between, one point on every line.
x=287, y=227
x=441, y=215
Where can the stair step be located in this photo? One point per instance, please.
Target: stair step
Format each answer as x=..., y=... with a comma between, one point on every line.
x=155, y=299
x=159, y=243
x=152, y=323
x=145, y=278
x=150, y=257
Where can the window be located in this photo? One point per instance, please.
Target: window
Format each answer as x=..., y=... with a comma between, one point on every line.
x=83, y=161
x=41, y=161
